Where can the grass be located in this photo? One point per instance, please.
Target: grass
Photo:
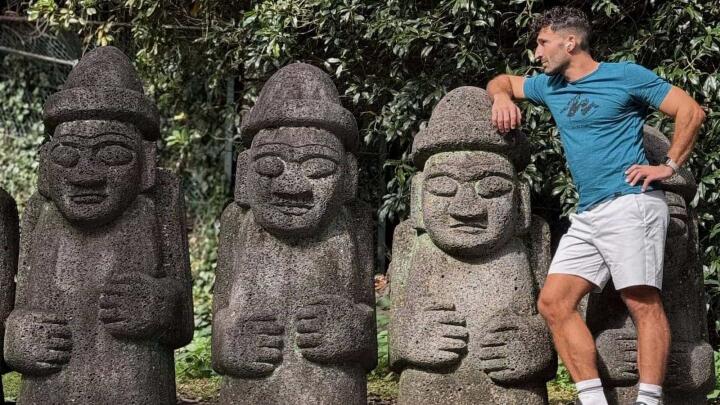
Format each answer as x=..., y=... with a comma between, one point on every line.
x=196, y=390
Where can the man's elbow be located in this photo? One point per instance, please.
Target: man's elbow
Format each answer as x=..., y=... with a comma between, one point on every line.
x=496, y=80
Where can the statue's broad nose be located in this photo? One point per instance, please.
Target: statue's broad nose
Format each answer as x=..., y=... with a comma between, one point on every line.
x=87, y=174
x=467, y=205
x=293, y=185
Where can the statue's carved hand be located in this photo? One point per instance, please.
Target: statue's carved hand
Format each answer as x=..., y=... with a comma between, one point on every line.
x=247, y=346
x=333, y=329
x=138, y=306
x=617, y=356
x=433, y=338
x=690, y=366
x=516, y=348
x=37, y=343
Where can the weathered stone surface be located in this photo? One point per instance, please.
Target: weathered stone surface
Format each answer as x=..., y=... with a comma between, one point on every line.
x=293, y=302
x=9, y=246
x=690, y=372
x=467, y=267
x=104, y=289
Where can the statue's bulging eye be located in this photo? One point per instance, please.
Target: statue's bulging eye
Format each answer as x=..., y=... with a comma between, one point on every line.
x=270, y=166
x=492, y=187
x=66, y=156
x=317, y=168
x=442, y=186
x=115, y=155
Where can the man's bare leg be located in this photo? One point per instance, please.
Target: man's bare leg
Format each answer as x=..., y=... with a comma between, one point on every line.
x=653, y=336
x=558, y=303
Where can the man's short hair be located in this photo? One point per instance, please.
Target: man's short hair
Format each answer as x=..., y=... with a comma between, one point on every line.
x=566, y=18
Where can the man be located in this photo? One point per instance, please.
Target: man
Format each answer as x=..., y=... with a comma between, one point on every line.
x=620, y=225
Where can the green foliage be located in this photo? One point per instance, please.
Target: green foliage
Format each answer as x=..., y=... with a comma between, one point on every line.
x=21, y=131
x=392, y=61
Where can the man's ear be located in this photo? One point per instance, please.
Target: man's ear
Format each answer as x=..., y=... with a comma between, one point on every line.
x=241, y=168
x=149, y=168
x=350, y=178
x=44, y=171
x=524, y=215
x=416, y=213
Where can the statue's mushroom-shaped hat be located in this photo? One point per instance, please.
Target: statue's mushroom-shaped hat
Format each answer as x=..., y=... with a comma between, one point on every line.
x=461, y=121
x=656, y=148
x=103, y=86
x=300, y=95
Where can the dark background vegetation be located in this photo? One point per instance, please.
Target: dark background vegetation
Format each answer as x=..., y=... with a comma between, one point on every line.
x=204, y=62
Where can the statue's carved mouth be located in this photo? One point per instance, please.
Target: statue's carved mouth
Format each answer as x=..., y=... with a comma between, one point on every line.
x=88, y=198
x=470, y=227
x=292, y=207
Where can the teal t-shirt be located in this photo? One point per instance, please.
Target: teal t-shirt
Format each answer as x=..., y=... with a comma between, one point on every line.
x=600, y=119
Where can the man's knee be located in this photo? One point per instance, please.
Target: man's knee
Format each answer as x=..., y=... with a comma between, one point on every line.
x=554, y=309
x=560, y=296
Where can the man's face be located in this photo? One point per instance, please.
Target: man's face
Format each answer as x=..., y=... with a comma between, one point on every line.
x=295, y=179
x=468, y=201
x=94, y=170
x=552, y=51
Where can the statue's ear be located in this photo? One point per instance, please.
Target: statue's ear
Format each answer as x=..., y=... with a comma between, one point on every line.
x=243, y=165
x=350, y=178
x=149, y=168
x=44, y=171
x=524, y=217
x=416, y=213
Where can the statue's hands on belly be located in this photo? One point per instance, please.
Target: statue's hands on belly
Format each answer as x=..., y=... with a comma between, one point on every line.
x=332, y=329
x=617, y=354
x=37, y=343
x=138, y=306
x=690, y=366
x=516, y=349
x=247, y=346
x=433, y=338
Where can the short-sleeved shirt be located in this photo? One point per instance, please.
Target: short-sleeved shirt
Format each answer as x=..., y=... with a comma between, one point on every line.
x=600, y=118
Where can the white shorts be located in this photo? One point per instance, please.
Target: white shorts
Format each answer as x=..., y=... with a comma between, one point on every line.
x=622, y=238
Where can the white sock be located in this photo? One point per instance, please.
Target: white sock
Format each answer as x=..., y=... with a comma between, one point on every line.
x=590, y=392
x=649, y=394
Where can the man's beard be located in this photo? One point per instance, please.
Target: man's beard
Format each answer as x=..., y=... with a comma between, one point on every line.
x=557, y=70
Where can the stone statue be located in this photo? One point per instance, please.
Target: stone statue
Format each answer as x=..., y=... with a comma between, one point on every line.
x=9, y=236
x=293, y=305
x=690, y=373
x=467, y=267
x=104, y=288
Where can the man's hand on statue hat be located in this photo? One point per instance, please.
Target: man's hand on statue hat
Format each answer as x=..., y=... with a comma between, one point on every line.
x=38, y=343
x=136, y=305
x=506, y=115
x=647, y=174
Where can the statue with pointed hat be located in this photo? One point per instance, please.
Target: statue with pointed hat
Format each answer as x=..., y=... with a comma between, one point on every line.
x=467, y=267
x=293, y=303
x=104, y=287
x=690, y=369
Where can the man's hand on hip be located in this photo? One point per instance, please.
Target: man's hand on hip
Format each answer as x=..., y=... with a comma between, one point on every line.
x=505, y=114
x=647, y=174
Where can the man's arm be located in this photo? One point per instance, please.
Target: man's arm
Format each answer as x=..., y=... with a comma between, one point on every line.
x=503, y=90
x=688, y=116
